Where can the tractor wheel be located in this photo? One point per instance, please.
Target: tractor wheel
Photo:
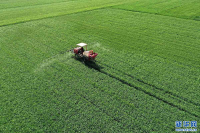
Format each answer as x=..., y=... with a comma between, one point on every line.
x=76, y=55
x=84, y=60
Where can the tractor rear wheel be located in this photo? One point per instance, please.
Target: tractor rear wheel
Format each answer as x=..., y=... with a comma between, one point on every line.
x=84, y=60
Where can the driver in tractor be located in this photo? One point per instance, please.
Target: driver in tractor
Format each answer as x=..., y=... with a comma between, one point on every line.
x=81, y=50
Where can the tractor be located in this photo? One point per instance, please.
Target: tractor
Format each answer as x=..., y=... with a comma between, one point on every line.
x=84, y=54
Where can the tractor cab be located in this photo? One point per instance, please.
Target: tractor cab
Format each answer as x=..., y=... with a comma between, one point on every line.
x=81, y=52
x=80, y=49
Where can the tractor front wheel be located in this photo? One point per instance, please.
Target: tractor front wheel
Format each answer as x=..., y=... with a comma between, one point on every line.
x=76, y=55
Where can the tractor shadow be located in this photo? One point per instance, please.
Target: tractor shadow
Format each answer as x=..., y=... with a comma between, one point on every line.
x=89, y=64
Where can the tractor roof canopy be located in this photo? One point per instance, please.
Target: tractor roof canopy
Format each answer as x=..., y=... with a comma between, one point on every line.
x=81, y=44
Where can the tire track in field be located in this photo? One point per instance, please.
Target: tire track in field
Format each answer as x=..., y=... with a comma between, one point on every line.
x=146, y=92
x=143, y=82
x=161, y=89
x=178, y=101
x=181, y=99
x=173, y=98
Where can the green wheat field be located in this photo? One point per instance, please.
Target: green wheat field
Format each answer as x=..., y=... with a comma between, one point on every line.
x=146, y=75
